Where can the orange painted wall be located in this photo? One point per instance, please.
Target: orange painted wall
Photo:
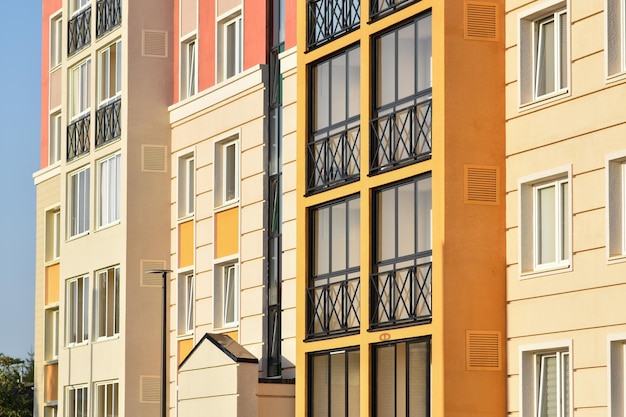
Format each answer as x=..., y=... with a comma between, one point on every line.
x=52, y=284
x=233, y=335
x=51, y=391
x=49, y=8
x=227, y=232
x=184, y=347
x=255, y=33
x=206, y=45
x=185, y=244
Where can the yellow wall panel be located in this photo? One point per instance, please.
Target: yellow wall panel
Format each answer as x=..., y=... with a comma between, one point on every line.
x=184, y=347
x=233, y=335
x=227, y=232
x=185, y=244
x=52, y=284
x=52, y=382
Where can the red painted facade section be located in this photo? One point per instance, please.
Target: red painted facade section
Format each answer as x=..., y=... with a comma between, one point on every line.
x=206, y=45
x=255, y=33
x=49, y=7
x=290, y=24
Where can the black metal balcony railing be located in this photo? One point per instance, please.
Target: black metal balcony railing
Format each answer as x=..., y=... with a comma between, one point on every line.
x=109, y=122
x=334, y=307
x=401, y=136
x=329, y=19
x=333, y=157
x=79, y=31
x=382, y=7
x=78, y=137
x=108, y=16
x=402, y=295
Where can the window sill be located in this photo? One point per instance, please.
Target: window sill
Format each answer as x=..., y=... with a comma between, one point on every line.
x=74, y=345
x=185, y=336
x=226, y=328
x=544, y=100
x=227, y=205
x=536, y=273
x=185, y=218
x=51, y=361
x=78, y=236
x=616, y=259
x=616, y=77
x=107, y=338
x=108, y=226
x=52, y=262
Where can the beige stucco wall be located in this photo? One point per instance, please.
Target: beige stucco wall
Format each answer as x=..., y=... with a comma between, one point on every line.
x=580, y=306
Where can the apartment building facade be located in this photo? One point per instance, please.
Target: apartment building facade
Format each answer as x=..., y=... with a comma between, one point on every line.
x=565, y=207
x=102, y=214
x=400, y=217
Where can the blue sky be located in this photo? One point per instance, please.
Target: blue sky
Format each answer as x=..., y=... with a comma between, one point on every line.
x=20, y=75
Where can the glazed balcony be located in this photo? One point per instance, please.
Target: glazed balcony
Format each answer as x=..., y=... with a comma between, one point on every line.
x=333, y=156
x=109, y=122
x=108, y=16
x=401, y=134
x=334, y=306
x=401, y=296
x=79, y=31
x=78, y=137
x=329, y=19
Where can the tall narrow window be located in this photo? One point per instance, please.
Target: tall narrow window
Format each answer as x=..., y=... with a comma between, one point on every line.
x=189, y=69
x=54, y=147
x=109, y=190
x=186, y=301
x=552, y=214
x=51, y=348
x=230, y=47
x=186, y=186
x=80, y=89
x=56, y=41
x=551, y=54
x=76, y=402
x=552, y=370
x=227, y=172
x=616, y=37
x=108, y=307
x=77, y=310
x=78, y=192
x=110, y=72
x=53, y=235
x=107, y=399
x=227, y=295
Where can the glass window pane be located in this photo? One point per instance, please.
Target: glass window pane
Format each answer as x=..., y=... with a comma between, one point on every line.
x=386, y=66
x=338, y=238
x=386, y=225
x=231, y=172
x=545, y=58
x=338, y=89
x=354, y=232
x=563, y=49
x=406, y=61
x=321, y=80
x=406, y=219
x=322, y=241
x=319, y=399
x=546, y=226
x=425, y=53
x=338, y=385
x=547, y=387
x=385, y=380
x=353, y=384
x=565, y=216
x=354, y=80
x=419, y=380
x=424, y=215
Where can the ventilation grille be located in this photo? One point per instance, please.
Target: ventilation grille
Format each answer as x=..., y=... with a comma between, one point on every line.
x=483, y=350
x=482, y=184
x=154, y=44
x=149, y=389
x=151, y=280
x=481, y=21
x=153, y=158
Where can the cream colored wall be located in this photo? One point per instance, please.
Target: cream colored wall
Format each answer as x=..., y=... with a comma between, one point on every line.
x=581, y=306
x=47, y=189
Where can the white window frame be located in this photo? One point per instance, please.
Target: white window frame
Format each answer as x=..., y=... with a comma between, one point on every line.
x=98, y=386
x=616, y=207
x=224, y=171
x=77, y=191
x=186, y=185
x=51, y=350
x=226, y=288
x=186, y=303
x=529, y=24
x=102, y=289
x=84, y=393
x=77, y=313
x=233, y=19
x=53, y=234
x=105, y=77
x=615, y=39
x=109, y=190
x=189, y=67
x=562, y=213
x=79, y=5
x=529, y=266
x=539, y=32
x=55, y=132
x=531, y=357
x=56, y=40
x=80, y=89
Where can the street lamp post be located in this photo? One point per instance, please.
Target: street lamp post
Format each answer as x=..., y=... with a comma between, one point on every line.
x=163, y=273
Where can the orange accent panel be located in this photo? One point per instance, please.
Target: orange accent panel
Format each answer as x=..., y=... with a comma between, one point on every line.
x=52, y=284
x=185, y=244
x=184, y=347
x=227, y=232
x=51, y=388
x=233, y=335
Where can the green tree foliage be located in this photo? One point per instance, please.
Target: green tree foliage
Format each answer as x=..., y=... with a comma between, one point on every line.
x=16, y=386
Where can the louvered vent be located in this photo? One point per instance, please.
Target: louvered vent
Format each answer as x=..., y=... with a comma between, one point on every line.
x=154, y=43
x=481, y=184
x=481, y=21
x=483, y=350
x=153, y=158
x=151, y=280
x=149, y=389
